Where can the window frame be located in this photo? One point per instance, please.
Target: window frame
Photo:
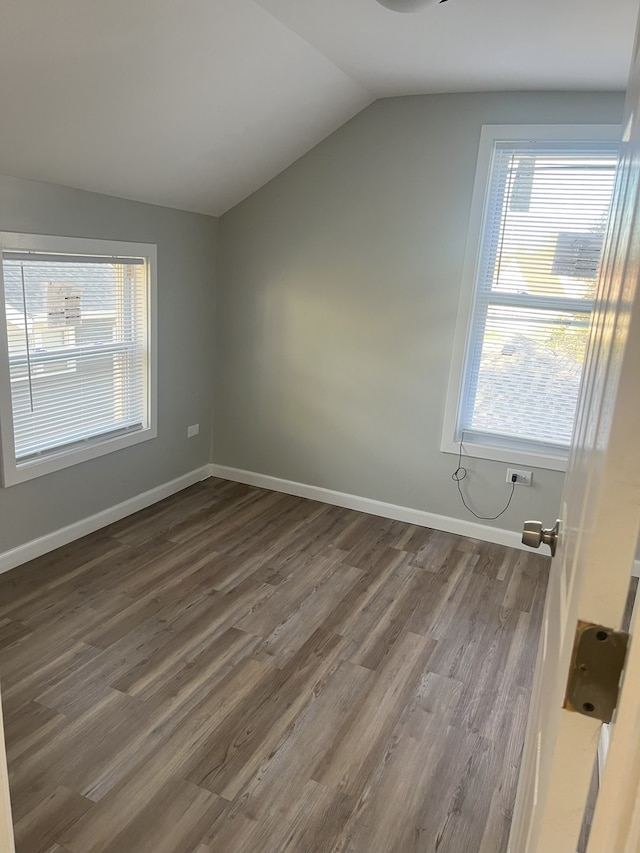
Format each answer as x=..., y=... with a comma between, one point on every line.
x=503, y=449
x=14, y=473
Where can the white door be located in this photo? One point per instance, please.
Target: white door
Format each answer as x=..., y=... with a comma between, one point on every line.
x=590, y=573
x=6, y=827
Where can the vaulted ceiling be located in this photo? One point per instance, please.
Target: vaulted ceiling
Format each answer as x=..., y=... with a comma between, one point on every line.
x=195, y=104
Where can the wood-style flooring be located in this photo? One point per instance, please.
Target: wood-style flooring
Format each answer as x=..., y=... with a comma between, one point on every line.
x=240, y=671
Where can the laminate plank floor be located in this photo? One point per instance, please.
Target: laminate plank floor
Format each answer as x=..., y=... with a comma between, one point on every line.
x=238, y=671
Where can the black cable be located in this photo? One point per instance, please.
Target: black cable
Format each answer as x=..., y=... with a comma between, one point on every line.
x=458, y=476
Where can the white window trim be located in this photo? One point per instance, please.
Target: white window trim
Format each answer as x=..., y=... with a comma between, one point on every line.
x=489, y=136
x=11, y=473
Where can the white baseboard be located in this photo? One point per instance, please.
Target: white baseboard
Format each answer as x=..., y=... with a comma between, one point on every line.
x=458, y=526
x=636, y=569
x=51, y=541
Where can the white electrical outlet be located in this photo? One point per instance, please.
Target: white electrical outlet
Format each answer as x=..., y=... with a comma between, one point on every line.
x=523, y=478
x=194, y=429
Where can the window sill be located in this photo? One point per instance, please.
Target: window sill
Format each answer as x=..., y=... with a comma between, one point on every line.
x=495, y=453
x=14, y=474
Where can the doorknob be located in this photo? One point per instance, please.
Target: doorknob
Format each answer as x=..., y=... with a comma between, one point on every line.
x=534, y=535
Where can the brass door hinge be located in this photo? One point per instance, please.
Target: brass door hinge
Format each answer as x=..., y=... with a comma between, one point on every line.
x=597, y=662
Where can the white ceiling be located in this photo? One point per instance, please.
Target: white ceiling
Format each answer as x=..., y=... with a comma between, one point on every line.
x=196, y=103
x=471, y=45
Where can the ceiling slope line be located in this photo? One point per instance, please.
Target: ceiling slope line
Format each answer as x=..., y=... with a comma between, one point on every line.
x=366, y=89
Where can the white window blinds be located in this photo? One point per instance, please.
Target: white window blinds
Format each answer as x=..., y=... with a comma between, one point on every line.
x=77, y=335
x=545, y=218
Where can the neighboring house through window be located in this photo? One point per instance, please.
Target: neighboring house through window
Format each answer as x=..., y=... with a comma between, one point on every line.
x=539, y=216
x=77, y=361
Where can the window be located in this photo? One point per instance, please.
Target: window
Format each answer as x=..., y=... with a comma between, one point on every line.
x=76, y=352
x=540, y=213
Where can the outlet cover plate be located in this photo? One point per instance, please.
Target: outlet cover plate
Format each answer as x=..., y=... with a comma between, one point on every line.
x=524, y=478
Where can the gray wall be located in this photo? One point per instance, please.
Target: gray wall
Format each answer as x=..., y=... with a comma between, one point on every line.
x=338, y=287
x=186, y=270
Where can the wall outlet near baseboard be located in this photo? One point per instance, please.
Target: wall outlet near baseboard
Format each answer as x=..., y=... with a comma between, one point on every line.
x=523, y=478
x=192, y=430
